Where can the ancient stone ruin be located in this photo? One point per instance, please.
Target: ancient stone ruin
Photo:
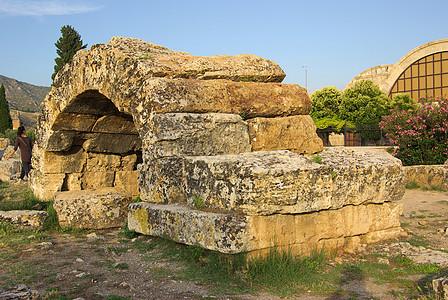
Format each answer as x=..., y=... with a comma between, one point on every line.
x=216, y=147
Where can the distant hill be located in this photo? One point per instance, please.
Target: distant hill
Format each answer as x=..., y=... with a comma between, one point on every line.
x=23, y=96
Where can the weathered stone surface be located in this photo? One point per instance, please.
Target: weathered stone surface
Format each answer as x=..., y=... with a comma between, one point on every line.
x=159, y=61
x=269, y=182
x=440, y=288
x=162, y=95
x=220, y=232
x=94, y=180
x=181, y=134
x=115, y=124
x=56, y=140
x=301, y=233
x=24, y=219
x=127, y=181
x=4, y=142
x=71, y=161
x=112, y=143
x=97, y=162
x=129, y=162
x=92, y=209
x=45, y=185
x=427, y=176
x=74, y=122
x=9, y=168
x=160, y=180
x=21, y=292
x=295, y=133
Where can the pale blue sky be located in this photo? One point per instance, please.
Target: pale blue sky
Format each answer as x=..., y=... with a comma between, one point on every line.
x=335, y=39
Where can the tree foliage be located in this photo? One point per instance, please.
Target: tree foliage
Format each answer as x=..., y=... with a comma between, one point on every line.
x=325, y=109
x=361, y=105
x=67, y=46
x=5, y=116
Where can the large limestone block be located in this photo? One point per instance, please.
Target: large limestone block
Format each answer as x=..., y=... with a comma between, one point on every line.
x=251, y=99
x=111, y=143
x=24, y=219
x=115, y=124
x=97, y=162
x=160, y=180
x=180, y=134
x=44, y=185
x=72, y=161
x=127, y=181
x=301, y=233
x=427, y=176
x=74, y=122
x=220, y=232
x=9, y=168
x=269, y=182
x=295, y=133
x=92, y=209
x=55, y=140
x=94, y=180
x=158, y=61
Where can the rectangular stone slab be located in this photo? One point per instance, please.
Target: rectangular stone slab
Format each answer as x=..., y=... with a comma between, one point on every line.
x=294, y=133
x=92, y=209
x=251, y=99
x=302, y=233
x=180, y=134
x=269, y=182
x=427, y=176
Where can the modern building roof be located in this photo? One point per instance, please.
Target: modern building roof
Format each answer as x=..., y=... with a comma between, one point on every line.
x=421, y=72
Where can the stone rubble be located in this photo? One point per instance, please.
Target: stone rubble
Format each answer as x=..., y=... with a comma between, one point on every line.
x=20, y=291
x=24, y=219
x=421, y=255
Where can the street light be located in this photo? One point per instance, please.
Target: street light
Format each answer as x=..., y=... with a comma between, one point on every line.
x=306, y=77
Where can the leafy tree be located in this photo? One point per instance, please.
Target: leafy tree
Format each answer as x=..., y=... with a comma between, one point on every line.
x=402, y=102
x=363, y=104
x=325, y=109
x=67, y=46
x=5, y=116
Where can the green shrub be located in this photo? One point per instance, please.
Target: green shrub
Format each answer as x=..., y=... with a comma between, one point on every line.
x=421, y=133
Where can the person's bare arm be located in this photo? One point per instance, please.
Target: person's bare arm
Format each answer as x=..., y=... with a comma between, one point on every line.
x=7, y=157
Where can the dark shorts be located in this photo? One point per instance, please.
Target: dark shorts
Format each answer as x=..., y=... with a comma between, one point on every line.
x=26, y=168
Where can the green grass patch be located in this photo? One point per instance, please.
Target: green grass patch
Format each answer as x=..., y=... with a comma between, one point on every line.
x=412, y=185
x=316, y=158
x=434, y=188
x=198, y=202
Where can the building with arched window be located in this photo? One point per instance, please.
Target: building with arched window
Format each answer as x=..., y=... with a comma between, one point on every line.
x=422, y=72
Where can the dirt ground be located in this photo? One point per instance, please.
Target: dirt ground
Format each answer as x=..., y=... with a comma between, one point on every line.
x=100, y=264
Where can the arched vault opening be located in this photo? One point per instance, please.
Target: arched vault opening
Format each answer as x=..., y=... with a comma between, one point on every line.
x=101, y=148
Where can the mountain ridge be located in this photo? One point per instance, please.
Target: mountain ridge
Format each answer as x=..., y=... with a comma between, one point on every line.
x=23, y=96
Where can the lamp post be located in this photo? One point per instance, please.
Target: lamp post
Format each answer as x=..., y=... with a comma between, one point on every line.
x=306, y=77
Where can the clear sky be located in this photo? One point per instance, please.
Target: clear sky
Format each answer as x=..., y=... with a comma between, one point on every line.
x=336, y=40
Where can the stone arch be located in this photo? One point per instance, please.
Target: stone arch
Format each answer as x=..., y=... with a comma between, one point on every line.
x=90, y=144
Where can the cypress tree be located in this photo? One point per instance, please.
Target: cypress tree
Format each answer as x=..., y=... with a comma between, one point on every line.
x=5, y=116
x=67, y=46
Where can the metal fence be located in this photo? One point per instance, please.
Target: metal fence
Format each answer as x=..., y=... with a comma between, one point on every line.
x=359, y=136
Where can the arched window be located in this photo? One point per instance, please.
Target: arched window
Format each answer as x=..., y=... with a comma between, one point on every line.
x=424, y=78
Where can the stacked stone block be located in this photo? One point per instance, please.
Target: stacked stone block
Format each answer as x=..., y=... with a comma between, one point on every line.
x=225, y=152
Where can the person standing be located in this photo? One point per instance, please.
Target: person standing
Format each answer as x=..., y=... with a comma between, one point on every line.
x=26, y=146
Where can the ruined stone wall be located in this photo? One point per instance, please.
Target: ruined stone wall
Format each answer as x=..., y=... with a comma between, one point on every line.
x=218, y=147
x=103, y=109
